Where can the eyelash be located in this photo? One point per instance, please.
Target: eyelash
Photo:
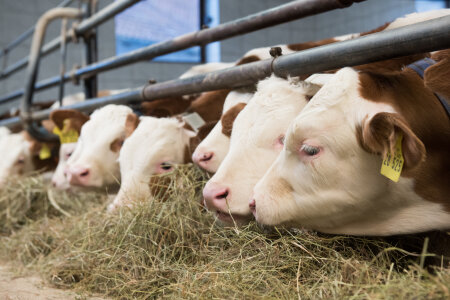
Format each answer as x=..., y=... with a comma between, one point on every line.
x=310, y=150
x=166, y=166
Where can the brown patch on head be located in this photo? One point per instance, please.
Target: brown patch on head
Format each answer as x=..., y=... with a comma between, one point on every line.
x=75, y=119
x=166, y=107
x=117, y=144
x=437, y=76
x=309, y=45
x=378, y=29
x=131, y=123
x=422, y=118
x=228, y=118
x=159, y=186
x=104, y=93
x=247, y=59
x=35, y=145
x=209, y=105
x=48, y=125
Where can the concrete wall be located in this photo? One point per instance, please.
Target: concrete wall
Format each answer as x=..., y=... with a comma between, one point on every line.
x=18, y=15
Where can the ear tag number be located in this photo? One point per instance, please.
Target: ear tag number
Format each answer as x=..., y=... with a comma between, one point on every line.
x=45, y=152
x=66, y=135
x=393, y=163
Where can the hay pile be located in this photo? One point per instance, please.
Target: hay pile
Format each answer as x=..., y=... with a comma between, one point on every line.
x=174, y=249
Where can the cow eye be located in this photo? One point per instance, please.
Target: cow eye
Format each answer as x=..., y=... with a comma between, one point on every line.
x=281, y=139
x=310, y=150
x=20, y=161
x=68, y=154
x=166, y=166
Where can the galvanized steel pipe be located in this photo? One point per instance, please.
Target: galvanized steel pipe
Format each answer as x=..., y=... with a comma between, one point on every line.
x=422, y=37
x=102, y=16
x=277, y=15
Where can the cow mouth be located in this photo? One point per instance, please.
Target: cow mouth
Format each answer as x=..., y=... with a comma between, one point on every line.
x=232, y=218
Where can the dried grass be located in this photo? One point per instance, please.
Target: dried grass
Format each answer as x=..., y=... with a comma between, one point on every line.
x=174, y=249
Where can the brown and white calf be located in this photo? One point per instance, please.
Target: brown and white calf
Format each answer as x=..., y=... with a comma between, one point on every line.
x=255, y=141
x=22, y=154
x=94, y=160
x=212, y=150
x=327, y=177
x=68, y=123
x=154, y=145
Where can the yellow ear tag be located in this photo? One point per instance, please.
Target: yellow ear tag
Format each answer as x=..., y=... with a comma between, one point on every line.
x=393, y=163
x=66, y=135
x=45, y=152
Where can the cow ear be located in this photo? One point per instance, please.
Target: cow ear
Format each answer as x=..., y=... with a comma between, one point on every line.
x=34, y=145
x=379, y=135
x=436, y=76
x=77, y=118
x=131, y=124
x=48, y=125
x=228, y=118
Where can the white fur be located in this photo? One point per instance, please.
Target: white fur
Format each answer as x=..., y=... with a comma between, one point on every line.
x=342, y=190
x=59, y=179
x=253, y=145
x=417, y=18
x=155, y=141
x=216, y=142
x=205, y=68
x=93, y=147
x=16, y=156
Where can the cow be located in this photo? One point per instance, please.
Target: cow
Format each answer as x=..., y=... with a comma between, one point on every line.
x=212, y=150
x=67, y=125
x=22, y=154
x=94, y=163
x=155, y=145
x=368, y=155
x=255, y=141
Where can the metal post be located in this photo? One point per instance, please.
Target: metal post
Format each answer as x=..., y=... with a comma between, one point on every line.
x=33, y=66
x=90, y=51
x=62, y=69
x=203, y=25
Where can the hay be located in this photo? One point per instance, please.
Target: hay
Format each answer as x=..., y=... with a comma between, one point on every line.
x=28, y=199
x=174, y=249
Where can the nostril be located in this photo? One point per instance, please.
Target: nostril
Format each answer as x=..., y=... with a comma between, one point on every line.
x=206, y=156
x=84, y=174
x=252, y=205
x=222, y=195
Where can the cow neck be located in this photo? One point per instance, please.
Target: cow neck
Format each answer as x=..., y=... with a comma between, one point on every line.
x=416, y=104
x=419, y=67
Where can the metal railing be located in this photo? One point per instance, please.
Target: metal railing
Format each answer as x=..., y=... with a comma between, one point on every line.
x=281, y=14
x=422, y=37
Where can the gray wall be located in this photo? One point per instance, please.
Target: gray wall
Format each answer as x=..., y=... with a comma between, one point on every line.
x=17, y=15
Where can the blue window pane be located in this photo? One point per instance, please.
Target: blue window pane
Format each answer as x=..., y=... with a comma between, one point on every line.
x=427, y=5
x=153, y=21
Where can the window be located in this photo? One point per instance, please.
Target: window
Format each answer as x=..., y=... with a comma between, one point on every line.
x=153, y=21
x=426, y=5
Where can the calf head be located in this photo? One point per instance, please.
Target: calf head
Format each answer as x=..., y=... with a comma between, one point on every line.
x=328, y=177
x=212, y=150
x=256, y=139
x=67, y=124
x=154, y=147
x=94, y=162
x=21, y=154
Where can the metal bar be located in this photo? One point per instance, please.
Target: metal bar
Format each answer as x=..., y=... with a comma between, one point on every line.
x=63, y=52
x=274, y=16
x=422, y=37
x=202, y=26
x=33, y=67
x=90, y=52
x=102, y=16
x=27, y=33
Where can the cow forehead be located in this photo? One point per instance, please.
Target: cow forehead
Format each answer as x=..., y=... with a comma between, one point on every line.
x=107, y=121
x=235, y=97
x=12, y=146
x=152, y=139
x=273, y=106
